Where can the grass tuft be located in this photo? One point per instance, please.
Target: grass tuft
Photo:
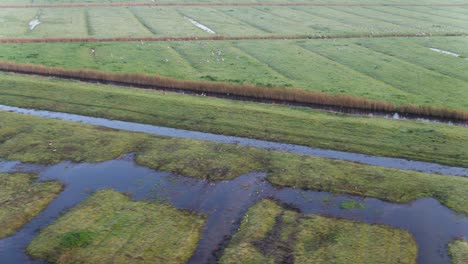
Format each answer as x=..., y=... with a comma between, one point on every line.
x=458, y=251
x=271, y=233
x=351, y=205
x=109, y=228
x=22, y=198
x=76, y=239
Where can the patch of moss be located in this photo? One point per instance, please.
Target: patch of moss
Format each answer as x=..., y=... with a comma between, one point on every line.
x=351, y=204
x=22, y=198
x=110, y=228
x=288, y=236
x=76, y=238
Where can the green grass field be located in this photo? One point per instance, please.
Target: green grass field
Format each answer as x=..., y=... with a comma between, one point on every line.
x=228, y=21
x=458, y=251
x=38, y=140
x=377, y=136
x=396, y=70
x=109, y=228
x=426, y=68
x=21, y=199
x=270, y=233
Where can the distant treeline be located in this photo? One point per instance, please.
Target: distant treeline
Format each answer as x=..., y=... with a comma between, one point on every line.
x=220, y=37
x=216, y=4
x=282, y=94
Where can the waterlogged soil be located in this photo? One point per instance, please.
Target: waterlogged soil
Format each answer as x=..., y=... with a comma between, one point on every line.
x=225, y=203
x=297, y=149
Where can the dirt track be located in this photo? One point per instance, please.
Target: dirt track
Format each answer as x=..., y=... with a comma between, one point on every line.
x=211, y=4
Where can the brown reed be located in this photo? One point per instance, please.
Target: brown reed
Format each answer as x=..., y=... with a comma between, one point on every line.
x=247, y=90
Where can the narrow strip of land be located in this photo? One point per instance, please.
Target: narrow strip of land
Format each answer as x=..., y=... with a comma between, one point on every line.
x=71, y=5
x=220, y=37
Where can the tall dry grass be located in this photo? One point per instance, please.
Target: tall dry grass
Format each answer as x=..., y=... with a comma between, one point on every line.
x=235, y=90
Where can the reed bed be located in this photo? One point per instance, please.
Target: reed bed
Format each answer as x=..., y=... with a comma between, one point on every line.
x=280, y=94
x=219, y=37
x=71, y=5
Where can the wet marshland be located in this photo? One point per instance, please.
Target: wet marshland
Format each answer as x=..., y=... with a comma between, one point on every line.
x=432, y=225
x=396, y=163
x=225, y=202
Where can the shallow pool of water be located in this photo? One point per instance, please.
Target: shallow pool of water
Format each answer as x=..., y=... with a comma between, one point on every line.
x=225, y=203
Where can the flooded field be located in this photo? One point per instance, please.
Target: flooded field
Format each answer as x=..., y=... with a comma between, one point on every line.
x=226, y=202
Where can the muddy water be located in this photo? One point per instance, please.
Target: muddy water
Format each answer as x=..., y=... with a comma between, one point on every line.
x=302, y=150
x=225, y=203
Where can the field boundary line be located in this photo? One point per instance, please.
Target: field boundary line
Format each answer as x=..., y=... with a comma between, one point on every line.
x=416, y=18
x=221, y=38
x=412, y=62
x=351, y=68
x=432, y=14
x=183, y=56
x=401, y=25
x=249, y=23
x=273, y=70
x=71, y=5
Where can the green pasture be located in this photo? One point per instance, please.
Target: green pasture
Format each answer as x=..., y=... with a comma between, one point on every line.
x=158, y=21
x=397, y=70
